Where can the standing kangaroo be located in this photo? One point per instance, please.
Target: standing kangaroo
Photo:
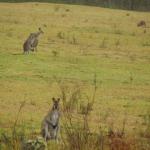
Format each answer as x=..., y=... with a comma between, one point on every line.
x=35, y=41
x=32, y=41
x=50, y=124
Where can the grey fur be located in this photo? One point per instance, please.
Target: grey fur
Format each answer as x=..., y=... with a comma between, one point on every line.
x=35, y=44
x=35, y=41
x=50, y=124
x=27, y=44
x=32, y=41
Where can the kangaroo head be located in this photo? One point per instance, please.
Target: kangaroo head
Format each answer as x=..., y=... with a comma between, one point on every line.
x=55, y=103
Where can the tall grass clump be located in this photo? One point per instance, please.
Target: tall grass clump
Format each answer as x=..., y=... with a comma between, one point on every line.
x=77, y=133
x=13, y=140
x=103, y=43
x=60, y=35
x=70, y=97
x=73, y=40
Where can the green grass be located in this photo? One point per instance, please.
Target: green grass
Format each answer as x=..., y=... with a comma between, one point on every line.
x=121, y=61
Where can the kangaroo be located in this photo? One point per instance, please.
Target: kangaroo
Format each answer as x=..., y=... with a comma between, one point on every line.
x=35, y=41
x=32, y=41
x=50, y=124
x=142, y=23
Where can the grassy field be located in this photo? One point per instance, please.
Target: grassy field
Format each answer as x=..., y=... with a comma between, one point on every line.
x=78, y=42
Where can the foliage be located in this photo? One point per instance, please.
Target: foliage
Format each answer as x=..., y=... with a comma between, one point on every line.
x=122, y=4
x=121, y=64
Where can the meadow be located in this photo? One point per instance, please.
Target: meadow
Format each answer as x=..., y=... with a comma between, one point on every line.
x=80, y=44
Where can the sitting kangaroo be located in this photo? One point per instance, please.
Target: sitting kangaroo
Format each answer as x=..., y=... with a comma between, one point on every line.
x=50, y=124
x=32, y=41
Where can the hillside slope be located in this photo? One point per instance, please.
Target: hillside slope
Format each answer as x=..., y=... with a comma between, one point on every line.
x=78, y=42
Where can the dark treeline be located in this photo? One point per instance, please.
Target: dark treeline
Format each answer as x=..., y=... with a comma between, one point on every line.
x=143, y=5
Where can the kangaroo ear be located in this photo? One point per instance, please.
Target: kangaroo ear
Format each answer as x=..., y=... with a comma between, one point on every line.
x=41, y=30
x=58, y=99
x=53, y=99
